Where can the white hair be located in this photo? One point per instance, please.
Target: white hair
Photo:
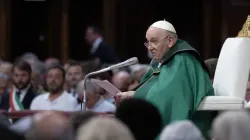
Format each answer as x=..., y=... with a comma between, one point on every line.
x=231, y=125
x=91, y=87
x=29, y=55
x=181, y=130
x=172, y=34
x=104, y=129
x=39, y=67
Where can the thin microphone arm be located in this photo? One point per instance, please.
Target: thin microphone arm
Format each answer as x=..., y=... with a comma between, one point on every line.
x=128, y=62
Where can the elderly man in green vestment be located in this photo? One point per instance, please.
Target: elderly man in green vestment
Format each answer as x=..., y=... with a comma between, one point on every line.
x=177, y=81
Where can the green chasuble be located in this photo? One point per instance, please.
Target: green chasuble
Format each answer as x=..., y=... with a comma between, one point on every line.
x=177, y=86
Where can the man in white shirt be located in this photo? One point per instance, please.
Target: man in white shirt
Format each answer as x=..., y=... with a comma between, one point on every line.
x=56, y=99
x=94, y=101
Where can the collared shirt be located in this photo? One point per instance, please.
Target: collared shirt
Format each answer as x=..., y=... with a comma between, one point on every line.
x=96, y=44
x=73, y=93
x=101, y=106
x=64, y=102
x=23, y=92
x=110, y=100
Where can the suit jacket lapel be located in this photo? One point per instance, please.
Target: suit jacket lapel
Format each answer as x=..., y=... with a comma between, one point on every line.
x=30, y=95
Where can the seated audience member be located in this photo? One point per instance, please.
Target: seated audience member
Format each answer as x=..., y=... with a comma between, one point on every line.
x=104, y=129
x=107, y=96
x=211, y=64
x=90, y=66
x=80, y=118
x=6, y=68
x=38, y=77
x=121, y=80
x=105, y=76
x=94, y=101
x=66, y=65
x=74, y=75
x=51, y=61
x=4, y=97
x=142, y=118
x=136, y=78
x=23, y=91
x=181, y=130
x=231, y=125
x=30, y=57
x=57, y=98
x=49, y=126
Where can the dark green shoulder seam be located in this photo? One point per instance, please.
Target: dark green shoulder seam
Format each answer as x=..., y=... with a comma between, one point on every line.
x=193, y=53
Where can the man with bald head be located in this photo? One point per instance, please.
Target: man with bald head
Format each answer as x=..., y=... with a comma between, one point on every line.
x=94, y=101
x=121, y=80
x=178, y=79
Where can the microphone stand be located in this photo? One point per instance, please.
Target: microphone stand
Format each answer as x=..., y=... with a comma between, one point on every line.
x=128, y=62
x=84, y=88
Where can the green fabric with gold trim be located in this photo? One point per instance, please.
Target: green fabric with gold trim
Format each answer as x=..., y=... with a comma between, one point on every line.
x=178, y=85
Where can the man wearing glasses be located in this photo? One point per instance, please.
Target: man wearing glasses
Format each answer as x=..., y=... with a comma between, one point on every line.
x=177, y=81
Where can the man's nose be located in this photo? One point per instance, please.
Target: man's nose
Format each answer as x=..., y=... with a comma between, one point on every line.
x=17, y=79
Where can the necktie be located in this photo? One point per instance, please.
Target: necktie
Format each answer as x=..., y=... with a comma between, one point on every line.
x=74, y=93
x=18, y=94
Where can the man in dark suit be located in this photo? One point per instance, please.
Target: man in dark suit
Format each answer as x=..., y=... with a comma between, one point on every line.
x=22, y=93
x=99, y=49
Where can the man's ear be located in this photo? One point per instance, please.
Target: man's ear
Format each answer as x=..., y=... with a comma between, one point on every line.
x=171, y=42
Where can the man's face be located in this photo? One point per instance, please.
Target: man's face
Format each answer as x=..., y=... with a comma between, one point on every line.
x=21, y=78
x=159, y=42
x=55, y=80
x=92, y=99
x=74, y=75
x=90, y=35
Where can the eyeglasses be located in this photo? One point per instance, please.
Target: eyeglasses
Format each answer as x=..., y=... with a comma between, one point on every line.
x=147, y=44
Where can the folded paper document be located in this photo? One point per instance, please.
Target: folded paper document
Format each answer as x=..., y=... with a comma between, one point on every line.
x=105, y=84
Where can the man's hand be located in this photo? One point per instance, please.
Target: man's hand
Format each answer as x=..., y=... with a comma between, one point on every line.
x=119, y=97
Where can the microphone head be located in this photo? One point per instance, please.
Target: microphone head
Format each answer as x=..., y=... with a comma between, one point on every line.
x=132, y=60
x=128, y=62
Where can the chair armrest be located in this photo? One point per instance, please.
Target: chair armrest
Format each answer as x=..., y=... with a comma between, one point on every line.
x=219, y=103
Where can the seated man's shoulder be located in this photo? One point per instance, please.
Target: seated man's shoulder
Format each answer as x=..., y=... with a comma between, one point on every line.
x=41, y=96
x=69, y=97
x=38, y=100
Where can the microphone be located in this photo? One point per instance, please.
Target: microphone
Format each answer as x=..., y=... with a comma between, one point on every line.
x=128, y=62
